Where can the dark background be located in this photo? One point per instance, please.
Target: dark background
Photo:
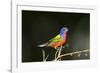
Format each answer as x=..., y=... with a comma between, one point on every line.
x=38, y=27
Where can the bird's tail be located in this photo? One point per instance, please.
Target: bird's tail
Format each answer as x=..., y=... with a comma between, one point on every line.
x=43, y=45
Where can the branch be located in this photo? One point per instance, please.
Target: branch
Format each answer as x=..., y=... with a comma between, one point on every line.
x=77, y=52
x=58, y=54
x=44, y=58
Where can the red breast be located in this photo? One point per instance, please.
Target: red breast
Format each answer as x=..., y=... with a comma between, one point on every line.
x=60, y=43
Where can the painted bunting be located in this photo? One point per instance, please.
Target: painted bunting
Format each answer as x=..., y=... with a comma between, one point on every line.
x=57, y=41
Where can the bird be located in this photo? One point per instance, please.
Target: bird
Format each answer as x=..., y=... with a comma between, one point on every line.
x=57, y=41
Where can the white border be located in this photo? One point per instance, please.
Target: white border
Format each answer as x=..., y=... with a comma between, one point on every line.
x=18, y=66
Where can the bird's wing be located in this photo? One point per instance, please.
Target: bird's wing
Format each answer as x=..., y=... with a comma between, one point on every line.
x=55, y=39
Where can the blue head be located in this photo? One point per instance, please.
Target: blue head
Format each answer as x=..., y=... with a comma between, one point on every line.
x=63, y=29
